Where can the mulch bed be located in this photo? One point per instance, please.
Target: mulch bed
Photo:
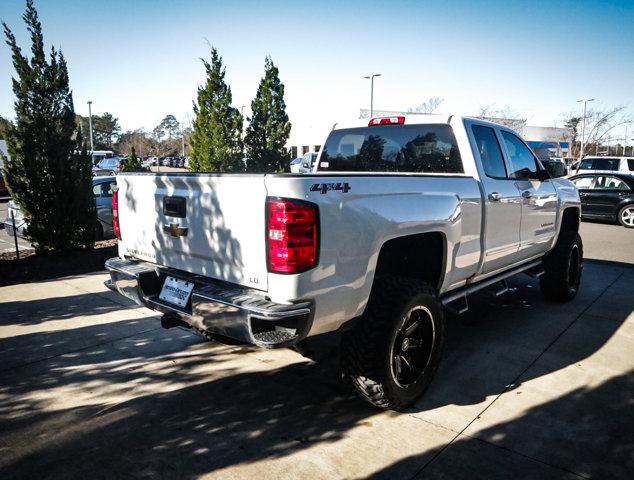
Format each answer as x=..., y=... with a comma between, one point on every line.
x=32, y=267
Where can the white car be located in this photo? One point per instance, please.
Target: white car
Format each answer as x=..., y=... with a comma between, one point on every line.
x=401, y=216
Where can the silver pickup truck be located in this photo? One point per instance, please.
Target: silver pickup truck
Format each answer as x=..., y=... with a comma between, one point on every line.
x=401, y=218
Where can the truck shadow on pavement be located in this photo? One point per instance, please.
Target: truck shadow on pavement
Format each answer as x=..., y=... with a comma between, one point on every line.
x=163, y=404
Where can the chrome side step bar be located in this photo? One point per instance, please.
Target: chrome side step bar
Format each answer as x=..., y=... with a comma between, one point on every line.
x=456, y=300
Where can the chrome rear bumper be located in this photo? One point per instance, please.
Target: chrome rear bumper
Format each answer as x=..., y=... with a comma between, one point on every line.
x=217, y=308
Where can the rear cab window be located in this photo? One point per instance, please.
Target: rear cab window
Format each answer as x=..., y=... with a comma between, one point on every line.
x=423, y=148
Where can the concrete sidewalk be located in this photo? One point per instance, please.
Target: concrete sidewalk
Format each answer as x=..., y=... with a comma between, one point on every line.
x=93, y=388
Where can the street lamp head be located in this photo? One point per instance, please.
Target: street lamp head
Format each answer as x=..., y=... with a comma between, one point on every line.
x=376, y=75
x=367, y=77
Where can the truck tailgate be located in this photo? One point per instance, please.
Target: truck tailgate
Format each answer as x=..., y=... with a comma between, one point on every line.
x=212, y=225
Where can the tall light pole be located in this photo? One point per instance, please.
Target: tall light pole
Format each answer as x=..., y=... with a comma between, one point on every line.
x=242, y=115
x=583, y=127
x=92, y=147
x=371, y=78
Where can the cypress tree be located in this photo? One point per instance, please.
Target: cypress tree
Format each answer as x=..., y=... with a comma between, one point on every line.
x=132, y=163
x=269, y=129
x=216, y=144
x=47, y=175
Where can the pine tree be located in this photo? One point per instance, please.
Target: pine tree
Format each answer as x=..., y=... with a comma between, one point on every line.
x=268, y=132
x=132, y=163
x=216, y=144
x=47, y=175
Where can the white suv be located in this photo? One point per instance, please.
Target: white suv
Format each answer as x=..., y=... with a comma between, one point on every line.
x=606, y=164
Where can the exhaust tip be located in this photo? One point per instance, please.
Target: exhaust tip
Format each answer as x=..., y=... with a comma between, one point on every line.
x=171, y=320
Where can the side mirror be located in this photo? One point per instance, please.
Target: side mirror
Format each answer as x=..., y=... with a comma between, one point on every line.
x=540, y=175
x=555, y=169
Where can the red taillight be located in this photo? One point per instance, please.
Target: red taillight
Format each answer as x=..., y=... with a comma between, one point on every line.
x=115, y=215
x=120, y=166
x=291, y=235
x=386, y=121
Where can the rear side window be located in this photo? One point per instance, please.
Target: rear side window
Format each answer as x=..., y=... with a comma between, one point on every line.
x=606, y=164
x=103, y=190
x=522, y=159
x=630, y=165
x=392, y=148
x=610, y=183
x=490, y=151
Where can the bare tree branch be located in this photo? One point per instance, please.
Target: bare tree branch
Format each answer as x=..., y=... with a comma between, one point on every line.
x=428, y=106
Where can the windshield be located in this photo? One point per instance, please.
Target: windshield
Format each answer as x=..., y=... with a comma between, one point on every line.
x=392, y=148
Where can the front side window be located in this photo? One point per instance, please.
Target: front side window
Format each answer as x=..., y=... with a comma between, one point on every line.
x=630, y=164
x=392, y=148
x=586, y=164
x=583, y=183
x=610, y=183
x=490, y=151
x=522, y=160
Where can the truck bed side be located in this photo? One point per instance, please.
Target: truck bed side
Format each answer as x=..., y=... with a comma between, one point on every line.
x=355, y=224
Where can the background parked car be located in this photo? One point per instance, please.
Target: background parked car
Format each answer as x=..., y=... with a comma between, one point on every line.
x=295, y=164
x=3, y=188
x=102, y=188
x=605, y=164
x=108, y=166
x=306, y=165
x=607, y=196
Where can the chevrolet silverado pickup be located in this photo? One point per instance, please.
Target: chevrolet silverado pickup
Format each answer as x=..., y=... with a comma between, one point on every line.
x=400, y=219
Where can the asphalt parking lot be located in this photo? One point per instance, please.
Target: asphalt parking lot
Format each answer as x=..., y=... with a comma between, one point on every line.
x=91, y=387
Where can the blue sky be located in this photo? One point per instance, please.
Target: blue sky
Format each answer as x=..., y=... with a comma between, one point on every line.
x=140, y=59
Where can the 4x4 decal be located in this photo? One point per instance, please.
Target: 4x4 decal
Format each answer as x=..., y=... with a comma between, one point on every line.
x=327, y=187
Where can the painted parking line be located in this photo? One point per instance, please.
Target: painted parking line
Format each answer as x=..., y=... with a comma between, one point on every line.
x=7, y=244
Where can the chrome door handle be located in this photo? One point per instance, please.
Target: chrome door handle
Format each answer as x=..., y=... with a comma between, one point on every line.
x=494, y=196
x=526, y=194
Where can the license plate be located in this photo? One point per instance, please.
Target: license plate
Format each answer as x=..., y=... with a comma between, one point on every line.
x=176, y=291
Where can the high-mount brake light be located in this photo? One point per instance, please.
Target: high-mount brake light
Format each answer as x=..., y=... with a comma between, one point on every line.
x=291, y=235
x=115, y=215
x=386, y=121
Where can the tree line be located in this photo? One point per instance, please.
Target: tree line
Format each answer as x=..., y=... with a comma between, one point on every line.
x=217, y=139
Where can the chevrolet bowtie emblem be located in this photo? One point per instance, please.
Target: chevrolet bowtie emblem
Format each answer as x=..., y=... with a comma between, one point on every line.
x=175, y=230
